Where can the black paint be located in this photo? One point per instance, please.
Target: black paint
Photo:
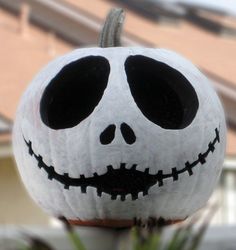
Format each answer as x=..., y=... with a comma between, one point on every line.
x=122, y=181
x=162, y=93
x=108, y=135
x=127, y=133
x=74, y=92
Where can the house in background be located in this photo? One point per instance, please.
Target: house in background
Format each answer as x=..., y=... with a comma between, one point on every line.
x=23, y=51
x=35, y=32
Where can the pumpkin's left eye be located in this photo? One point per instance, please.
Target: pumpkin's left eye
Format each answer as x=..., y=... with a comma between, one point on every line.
x=74, y=92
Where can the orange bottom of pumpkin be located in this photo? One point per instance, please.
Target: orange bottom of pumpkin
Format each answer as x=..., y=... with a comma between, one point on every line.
x=119, y=223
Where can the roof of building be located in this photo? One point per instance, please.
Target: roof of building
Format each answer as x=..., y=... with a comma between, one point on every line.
x=21, y=58
x=208, y=50
x=231, y=142
x=5, y=124
x=22, y=55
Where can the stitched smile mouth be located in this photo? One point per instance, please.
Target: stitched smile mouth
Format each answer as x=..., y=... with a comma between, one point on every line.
x=122, y=181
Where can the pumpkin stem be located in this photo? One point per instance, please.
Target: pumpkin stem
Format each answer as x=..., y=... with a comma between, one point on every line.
x=111, y=31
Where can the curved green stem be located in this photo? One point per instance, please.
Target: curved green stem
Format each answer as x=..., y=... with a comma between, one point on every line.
x=111, y=33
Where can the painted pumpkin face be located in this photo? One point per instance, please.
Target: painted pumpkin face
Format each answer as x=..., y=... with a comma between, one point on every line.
x=120, y=133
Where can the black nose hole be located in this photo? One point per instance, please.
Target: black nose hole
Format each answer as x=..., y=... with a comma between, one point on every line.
x=128, y=133
x=108, y=134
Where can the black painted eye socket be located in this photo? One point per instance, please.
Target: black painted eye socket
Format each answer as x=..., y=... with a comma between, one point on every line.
x=162, y=93
x=74, y=92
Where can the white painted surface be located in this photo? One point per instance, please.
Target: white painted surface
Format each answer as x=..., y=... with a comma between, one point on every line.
x=77, y=150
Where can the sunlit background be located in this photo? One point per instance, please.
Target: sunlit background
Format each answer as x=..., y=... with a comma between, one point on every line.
x=34, y=32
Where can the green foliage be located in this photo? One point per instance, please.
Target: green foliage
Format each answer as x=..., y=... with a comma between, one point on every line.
x=72, y=235
x=36, y=244
x=186, y=236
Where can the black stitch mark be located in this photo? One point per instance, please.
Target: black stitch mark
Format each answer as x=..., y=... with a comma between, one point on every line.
x=217, y=136
x=30, y=150
x=83, y=189
x=113, y=197
x=145, y=192
x=50, y=172
x=134, y=196
x=99, y=192
x=159, y=177
x=188, y=168
x=66, y=175
x=201, y=158
x=211, y=147
x=122, y=166
x=121, y=181
x=175, y=174
x=40, y=161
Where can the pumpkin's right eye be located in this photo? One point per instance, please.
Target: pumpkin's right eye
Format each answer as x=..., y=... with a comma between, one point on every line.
x=72, y=95
x=162, y=93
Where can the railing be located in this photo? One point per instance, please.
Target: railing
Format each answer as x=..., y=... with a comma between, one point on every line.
x=216, y=238
x=225, y=195
x=65, y=20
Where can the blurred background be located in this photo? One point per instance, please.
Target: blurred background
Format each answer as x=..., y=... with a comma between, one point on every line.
x=34, y=32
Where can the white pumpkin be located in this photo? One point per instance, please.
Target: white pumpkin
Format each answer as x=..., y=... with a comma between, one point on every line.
x=106, y=135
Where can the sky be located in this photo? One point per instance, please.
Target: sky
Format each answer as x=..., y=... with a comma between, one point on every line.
x=223, y=6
